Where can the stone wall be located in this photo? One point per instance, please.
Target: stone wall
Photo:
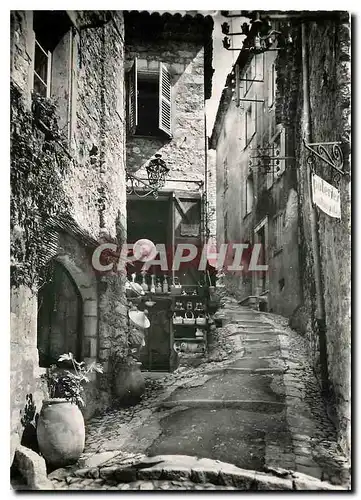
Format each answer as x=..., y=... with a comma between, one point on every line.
x=328, y=44
x=24, y=362
x=329, y=69
x=100, y=120
x=95, y=186
x=185, y=152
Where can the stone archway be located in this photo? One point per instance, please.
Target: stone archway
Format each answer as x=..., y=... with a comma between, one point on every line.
x=80, y=290
x=87, y=286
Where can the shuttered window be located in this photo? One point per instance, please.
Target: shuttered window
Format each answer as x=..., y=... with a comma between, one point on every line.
x=149, y=101
x=132, y=98
x=165, y=103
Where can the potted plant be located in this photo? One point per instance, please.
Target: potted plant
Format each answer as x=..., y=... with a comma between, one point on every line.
x=61, y=429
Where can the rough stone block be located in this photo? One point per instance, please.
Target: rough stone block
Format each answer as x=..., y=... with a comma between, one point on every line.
x=125, y=475
x=107, y=473
x=244, y=480
x=175, y=473
x=201, y=474
x=267, y=482
x=149, y=473
x=33, y=469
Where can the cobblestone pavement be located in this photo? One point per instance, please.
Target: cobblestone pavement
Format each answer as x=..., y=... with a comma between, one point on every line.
x=251, y=347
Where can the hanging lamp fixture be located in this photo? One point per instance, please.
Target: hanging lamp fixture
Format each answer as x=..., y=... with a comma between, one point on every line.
x=157, y=172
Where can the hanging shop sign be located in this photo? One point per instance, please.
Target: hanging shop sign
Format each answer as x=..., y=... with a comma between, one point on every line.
x=326, y=197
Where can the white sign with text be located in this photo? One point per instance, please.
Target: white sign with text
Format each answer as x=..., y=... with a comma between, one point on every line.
x=326, y=197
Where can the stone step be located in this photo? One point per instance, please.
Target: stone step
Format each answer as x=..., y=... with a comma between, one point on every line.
x=240, y=404
x=236, y=369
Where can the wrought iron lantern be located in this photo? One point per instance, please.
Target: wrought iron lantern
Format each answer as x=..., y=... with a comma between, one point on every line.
x=157, y=172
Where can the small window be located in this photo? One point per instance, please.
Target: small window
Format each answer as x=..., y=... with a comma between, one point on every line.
x=42, y=70
x=249, y=194
x=149, y=102
x=54, y=65
x=278, y=231
x=250, y=123
x=271, y=86
x=49, y=28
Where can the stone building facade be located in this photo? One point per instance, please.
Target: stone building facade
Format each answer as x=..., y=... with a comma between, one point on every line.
x=179, y=45
x=250, y=197
x=70, y=124
x=76, y=61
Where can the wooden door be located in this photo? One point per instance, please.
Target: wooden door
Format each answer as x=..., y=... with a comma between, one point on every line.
x=187, y=229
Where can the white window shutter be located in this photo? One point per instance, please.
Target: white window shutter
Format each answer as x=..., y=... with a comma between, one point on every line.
x=165, y=101
x=133, y=98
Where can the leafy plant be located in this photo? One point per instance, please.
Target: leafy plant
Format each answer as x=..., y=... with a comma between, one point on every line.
x=39, y=164
x=68, y=384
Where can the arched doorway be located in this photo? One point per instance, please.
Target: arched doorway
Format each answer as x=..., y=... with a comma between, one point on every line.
x=60, y=313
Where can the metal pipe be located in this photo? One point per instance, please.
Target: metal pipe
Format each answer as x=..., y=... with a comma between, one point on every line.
x=320, y=310
x=307, y=134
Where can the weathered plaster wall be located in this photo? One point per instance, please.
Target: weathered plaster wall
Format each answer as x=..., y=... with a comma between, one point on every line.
x=234, y=224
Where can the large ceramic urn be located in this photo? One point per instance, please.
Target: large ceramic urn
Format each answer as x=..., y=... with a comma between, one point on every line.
x=129, y=383
x=60, y=432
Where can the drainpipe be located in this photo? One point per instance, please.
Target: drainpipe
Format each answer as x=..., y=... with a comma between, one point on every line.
x=307, y=134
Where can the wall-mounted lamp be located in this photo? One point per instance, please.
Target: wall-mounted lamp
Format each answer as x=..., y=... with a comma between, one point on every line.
x=157, y=172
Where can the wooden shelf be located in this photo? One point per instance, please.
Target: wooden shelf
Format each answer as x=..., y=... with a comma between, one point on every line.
x=193, y=326
x=187, y=297
x=186, y=339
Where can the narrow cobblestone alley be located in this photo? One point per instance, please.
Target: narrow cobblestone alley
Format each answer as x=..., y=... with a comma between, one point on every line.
x=259, y=408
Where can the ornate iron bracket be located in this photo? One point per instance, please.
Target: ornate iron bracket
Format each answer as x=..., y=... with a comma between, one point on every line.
x=329, y=152
x=139, y=187
x=331, y=155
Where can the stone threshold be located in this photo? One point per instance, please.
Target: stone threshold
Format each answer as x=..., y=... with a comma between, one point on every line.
x=201, y=471
x=250, y=405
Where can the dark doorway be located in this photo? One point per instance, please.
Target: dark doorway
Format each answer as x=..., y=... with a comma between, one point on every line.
x=59, y=316
x=152, y=219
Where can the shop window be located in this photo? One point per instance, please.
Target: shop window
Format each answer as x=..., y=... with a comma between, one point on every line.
x=149, y=107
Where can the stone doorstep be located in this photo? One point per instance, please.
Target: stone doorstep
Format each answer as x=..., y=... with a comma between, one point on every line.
x=222, y=403
x=211, y=471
